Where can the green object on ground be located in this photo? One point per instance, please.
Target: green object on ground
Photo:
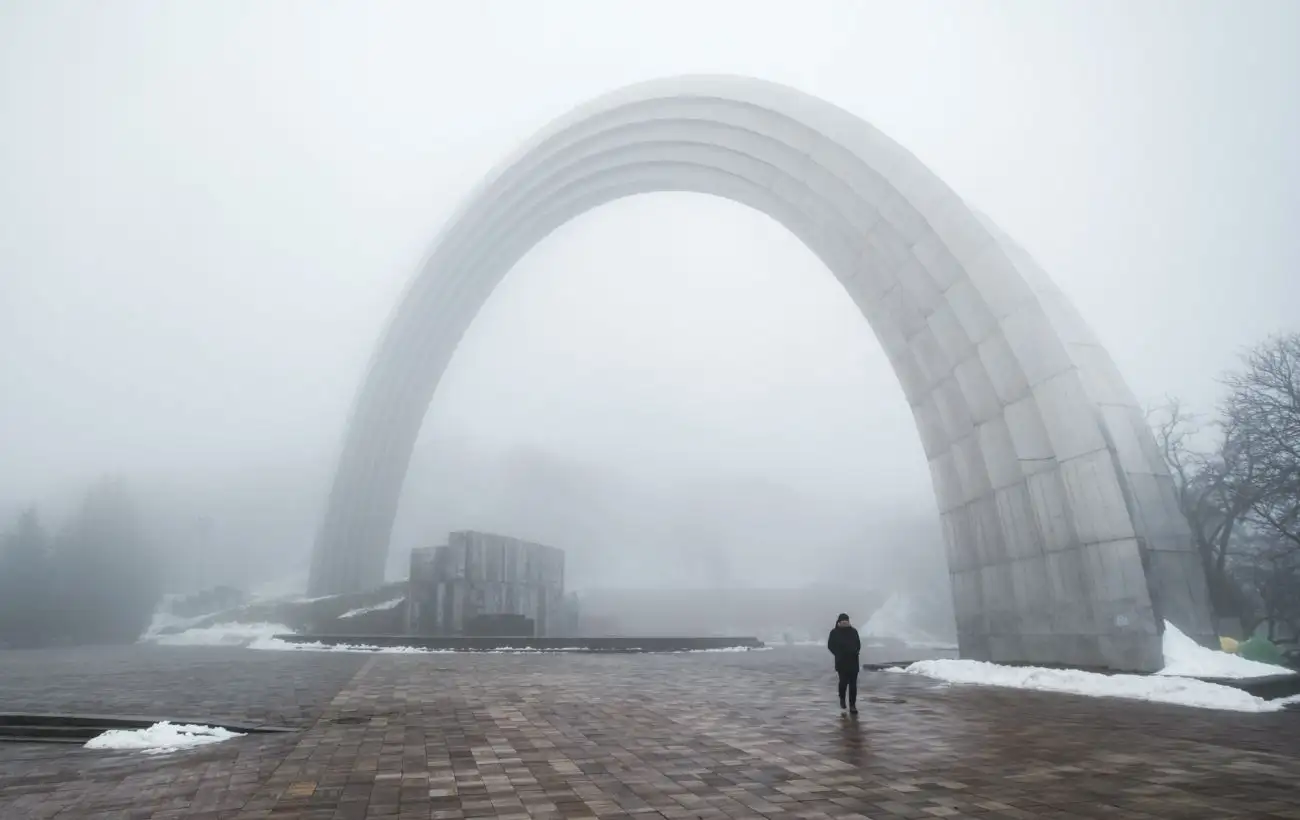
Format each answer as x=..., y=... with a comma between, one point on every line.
x=1260, y=649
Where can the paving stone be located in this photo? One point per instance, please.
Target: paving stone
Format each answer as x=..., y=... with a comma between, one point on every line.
x=713, y=735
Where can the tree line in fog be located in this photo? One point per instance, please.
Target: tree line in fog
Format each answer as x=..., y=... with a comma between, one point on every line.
x=1237, y=475
x=94, y=580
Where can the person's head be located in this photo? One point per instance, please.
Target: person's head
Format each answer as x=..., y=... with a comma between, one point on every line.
x=843, y=620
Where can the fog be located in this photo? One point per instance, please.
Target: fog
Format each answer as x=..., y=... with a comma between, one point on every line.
x=207, y=211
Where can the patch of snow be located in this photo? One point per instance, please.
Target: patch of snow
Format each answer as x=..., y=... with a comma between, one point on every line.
x=352, y=613
x=728, y=649
x=299, y=599
x=276, y=644
x=231, y=634
x=1158, y=689
x=161, y=738
x=1186, y=658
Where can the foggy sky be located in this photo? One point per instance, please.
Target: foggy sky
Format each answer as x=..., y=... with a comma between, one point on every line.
x=208, y=209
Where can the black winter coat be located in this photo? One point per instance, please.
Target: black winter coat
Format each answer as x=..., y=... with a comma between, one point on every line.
x=845, y=645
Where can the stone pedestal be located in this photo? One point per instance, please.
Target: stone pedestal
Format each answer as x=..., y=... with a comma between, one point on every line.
x=477, y=574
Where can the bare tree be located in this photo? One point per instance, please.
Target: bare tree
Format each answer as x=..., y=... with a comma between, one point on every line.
x=1214, y=490
x=1262, y=411
x=1263, y=407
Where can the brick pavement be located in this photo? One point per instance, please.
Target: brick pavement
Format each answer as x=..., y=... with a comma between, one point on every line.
x=238, y=685
x=699, y=736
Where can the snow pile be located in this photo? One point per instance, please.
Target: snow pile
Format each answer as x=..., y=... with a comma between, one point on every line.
x=161, y=738
x=270, y=642
x=1184, y=657
x=232, y=634
x=1184, y=661
x=1165, y=689
x=275, y=644
x=352, y=613
x=726, y=649
x=896, y=619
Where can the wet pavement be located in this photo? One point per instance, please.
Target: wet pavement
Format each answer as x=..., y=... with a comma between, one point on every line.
x=239, y=685
x=709, y=735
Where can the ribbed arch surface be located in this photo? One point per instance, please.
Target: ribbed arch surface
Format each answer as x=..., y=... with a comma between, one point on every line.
x=1065, y=543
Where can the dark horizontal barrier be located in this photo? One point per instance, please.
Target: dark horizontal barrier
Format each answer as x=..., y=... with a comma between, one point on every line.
x=498, y=644
x=1270, y=687
x=25, y=727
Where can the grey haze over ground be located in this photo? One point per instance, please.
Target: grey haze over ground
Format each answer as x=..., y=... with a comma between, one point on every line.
x=208, y=209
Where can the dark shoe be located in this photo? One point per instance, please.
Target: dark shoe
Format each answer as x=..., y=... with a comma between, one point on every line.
x=853, y=710
x=842, y=706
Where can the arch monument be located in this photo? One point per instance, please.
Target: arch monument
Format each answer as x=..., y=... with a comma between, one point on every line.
x=1064, y=539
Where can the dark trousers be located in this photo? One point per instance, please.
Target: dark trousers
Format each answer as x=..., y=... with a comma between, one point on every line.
x=848, y=683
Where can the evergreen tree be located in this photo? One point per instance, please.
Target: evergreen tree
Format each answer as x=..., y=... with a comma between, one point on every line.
x=108, y=580
x=25, y=584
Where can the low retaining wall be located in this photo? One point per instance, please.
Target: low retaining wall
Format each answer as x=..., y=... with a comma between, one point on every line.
x=1270, y=687
x=489, y=644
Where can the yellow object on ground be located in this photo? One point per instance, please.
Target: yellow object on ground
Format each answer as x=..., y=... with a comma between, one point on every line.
x=1228, y=644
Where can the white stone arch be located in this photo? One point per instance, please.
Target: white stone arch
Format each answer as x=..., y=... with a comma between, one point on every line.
x=1065, y=543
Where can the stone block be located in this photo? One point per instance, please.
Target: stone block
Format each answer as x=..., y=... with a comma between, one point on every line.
x=971, y=471
x=1032, y=590
x=970, y=310
x=1003, y=289
x=947, y=482
x=1066, y=576
x=1051, y=511
x=1075, y=616
x=921, y=289
x=1097, y=504
x=999, y=453
x=1029, y=436
x=1018, y=523
x=1127, y=426
x=934, y=437
x=1063, y=318
x=1039, y=352
x=981, y=399
x=1004, y=648
x=957, y=421
x=958, y=541
x=934, y=256
x=988, y=541
x=1071, y=423
x=1158, y=517
x=1003, y=369
x=931, y=359
x=948, y=332
x=1114, y=570
x=960, y=231
x=1101, y=376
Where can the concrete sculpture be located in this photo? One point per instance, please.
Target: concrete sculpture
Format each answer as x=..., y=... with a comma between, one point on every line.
x=1065, y=543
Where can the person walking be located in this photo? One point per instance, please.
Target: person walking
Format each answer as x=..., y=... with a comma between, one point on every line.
x=845, y=644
